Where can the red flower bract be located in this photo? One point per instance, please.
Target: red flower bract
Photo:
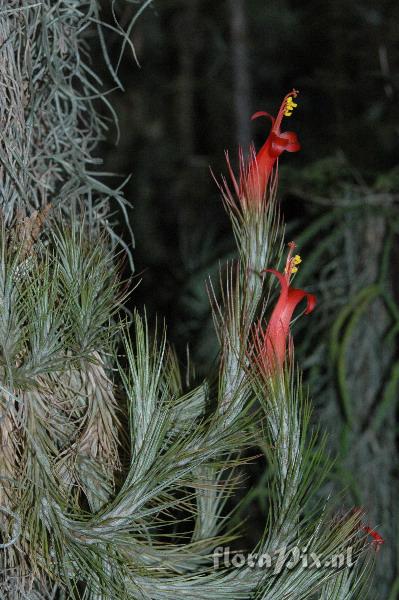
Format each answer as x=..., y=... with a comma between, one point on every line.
x=271, y=345
x=377, y=539
x=261, y=165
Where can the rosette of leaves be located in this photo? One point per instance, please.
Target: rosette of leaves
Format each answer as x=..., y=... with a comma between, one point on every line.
x=106, y=499
x=59, y=425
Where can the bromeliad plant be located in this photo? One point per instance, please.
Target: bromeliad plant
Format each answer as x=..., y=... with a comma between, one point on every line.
x=118, y=470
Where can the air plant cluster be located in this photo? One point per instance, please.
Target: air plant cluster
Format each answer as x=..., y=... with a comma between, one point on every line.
x=118, y=468
x=50, y=127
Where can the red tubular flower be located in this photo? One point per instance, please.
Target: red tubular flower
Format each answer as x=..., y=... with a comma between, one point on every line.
x=255, y=173
x=377, y=539
x=261, y=165
x=272, y=344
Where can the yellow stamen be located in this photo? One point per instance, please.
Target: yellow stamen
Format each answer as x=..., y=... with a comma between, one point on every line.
x=294, y=269
x=297, y=259
x=289, y=106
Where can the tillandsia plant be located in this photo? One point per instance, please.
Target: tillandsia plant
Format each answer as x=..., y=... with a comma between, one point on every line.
x=117, y=469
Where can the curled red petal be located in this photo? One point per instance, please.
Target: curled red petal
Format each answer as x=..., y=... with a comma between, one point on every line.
x=278, y=144
x=288, y=140
x=262, y=113
x=293, y=144
x=296, y=294
x=311, y=303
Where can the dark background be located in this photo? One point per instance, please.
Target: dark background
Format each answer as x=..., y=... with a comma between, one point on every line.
x=205, y=67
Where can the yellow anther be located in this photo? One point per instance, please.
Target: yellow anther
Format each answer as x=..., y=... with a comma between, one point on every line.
x=297, y=259
x=289, y=106
x=294, y=269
